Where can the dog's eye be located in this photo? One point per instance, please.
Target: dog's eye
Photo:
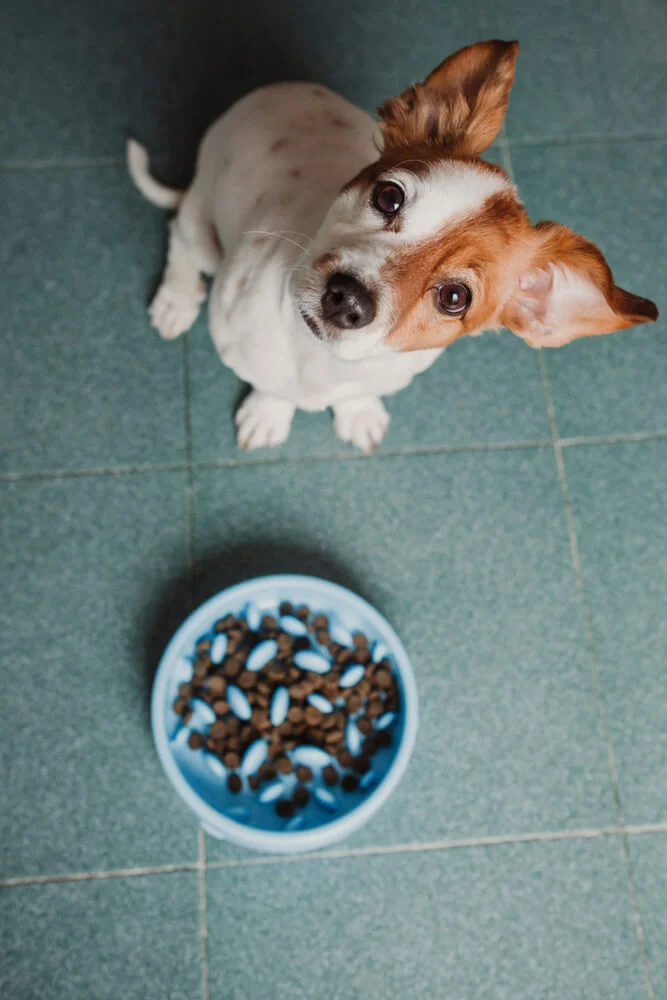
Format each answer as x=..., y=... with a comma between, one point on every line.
x=388, y=198
x=454, y=298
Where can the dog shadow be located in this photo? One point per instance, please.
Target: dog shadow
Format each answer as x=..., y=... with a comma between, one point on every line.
x=187, y=590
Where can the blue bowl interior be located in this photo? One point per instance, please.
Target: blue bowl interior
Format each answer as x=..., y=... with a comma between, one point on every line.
x=200, y=783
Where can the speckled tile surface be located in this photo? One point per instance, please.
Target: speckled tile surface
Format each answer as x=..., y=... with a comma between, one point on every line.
x=500, y=868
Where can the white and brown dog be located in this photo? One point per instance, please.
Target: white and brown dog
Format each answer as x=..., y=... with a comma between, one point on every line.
x=347, y=254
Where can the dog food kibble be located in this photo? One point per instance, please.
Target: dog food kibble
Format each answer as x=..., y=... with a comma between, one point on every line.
x=286, y=697
x=350, y=783
x=285, y=809
x=330, y=775
x=301, y=797
x=234, y=784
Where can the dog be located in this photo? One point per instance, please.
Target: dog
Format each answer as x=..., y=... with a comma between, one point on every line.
x=346, y=254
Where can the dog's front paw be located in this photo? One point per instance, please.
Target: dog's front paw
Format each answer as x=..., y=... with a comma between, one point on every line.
x=263, y=421
x=174, y=308
x=361, y=422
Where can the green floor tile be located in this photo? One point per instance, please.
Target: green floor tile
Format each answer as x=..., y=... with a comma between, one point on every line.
x=468, y=556
x=84, y=381
x=649, y=861
x=585, y=69
x=76, y=77
x=618, y=495
x=522, y=922
x=614, y=194
x=92, y=587
x=134, y=937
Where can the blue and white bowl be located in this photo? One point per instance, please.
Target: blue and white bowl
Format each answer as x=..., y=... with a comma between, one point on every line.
x=249, y=818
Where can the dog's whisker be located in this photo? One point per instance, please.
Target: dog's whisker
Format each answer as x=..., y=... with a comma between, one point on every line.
x=279, y=236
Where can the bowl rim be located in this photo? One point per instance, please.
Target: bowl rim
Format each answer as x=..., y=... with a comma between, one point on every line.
x=295, y=841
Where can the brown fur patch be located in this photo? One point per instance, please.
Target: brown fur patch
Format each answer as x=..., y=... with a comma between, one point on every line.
x=460, y=106
x=481, y=244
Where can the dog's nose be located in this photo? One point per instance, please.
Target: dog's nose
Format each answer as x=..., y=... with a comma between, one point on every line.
x=347, y=303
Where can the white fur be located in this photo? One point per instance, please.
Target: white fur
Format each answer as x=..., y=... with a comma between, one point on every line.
x=274, y=164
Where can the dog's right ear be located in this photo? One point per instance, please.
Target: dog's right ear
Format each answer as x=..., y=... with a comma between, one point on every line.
x=460, y=106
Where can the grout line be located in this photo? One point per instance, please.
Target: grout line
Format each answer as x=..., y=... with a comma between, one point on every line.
x=584, y=139
x=203, y=914
x=407, y=452
x=638, y=436
x=118, y=470
x=97, y=876
x=416, y=848
x=74, y=162
x=343, y=852
x=590, y=643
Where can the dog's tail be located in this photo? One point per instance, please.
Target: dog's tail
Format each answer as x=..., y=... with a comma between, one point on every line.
x=159, y=194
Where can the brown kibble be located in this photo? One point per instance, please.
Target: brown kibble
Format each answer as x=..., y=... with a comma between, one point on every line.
x=233, y=667
x=313, y=716
x=284, y=729
x=180, y=705
x=383, y=738
x=247, y=733
x=369, y=747
x=276, y=672
x=233, y=725
x=231, y=760
x=187, y=716
x=322, y=635
x=350, y=783
x=354, y=702
x=284, y=765
x=328, y=722
x=235, y=633
x=199, y=670
x=185, y=690
x=363, y=657
x=383, y=678
x=361, y=764
x=302, y=613
x=247, y=680
x=234, y=784
x=212, y=744
x=330, y=775
x=217, y=685
x=254, y=781
x=285, y=808
x=344, y=656
x=364, y=688
x=260, y=720
x=195, y=741
x=375, y=709
x=365, y=726
x=301, y=797
x=286, y=608
x=321, y=621
x=295, y=714
x=267, y=772
x=234, y=744
x=264, y=687
x=269, y=623
x=304, y=774
x=344, y=757
x=220, y=707
x=360, y=641
x=218, y=730
x=275, y=749
x=334, y=738
x=290, y=744
x=285, y=642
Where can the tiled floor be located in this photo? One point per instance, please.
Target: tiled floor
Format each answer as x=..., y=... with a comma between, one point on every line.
x=513, y=529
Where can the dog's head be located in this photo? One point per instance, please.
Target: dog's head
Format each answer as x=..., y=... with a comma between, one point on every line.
x=431, y=243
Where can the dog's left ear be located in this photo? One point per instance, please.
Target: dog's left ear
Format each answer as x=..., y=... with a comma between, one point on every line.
x=460, y=106
x=564, y=290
